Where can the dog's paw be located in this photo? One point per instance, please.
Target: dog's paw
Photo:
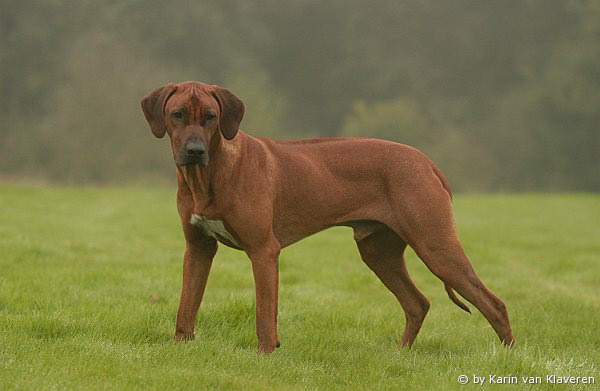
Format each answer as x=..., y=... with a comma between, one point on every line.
x=265, y=348
x=183, y=337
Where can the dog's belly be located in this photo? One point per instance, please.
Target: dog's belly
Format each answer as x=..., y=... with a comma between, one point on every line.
x=214, y=229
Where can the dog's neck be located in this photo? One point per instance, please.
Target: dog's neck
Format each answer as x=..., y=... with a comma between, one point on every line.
x=205, y=182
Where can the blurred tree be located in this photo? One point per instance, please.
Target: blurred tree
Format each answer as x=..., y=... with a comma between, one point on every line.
x=547, y=129
x=504, y=95
x=266, y=108
x=399, y=120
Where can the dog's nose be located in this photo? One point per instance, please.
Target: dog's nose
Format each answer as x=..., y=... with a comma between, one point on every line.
x=194, y=149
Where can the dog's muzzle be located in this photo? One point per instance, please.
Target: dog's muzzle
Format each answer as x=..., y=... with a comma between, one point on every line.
x=193, y=152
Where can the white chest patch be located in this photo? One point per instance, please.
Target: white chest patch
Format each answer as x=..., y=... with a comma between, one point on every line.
x=213, y=228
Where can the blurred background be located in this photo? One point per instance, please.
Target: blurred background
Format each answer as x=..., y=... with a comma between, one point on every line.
x=502, y=95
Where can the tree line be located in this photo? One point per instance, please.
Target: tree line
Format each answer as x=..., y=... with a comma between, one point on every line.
x=502, y=95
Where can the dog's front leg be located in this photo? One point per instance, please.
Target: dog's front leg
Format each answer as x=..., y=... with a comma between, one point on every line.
x=197, y=260
x=264, y=266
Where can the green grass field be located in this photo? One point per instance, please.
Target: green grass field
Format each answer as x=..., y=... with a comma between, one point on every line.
x=90, y=282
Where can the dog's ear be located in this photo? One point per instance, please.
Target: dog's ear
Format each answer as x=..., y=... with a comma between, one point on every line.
x=232, y=112
x=153, y=106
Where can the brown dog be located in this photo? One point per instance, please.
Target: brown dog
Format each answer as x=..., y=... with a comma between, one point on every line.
x=260, y=195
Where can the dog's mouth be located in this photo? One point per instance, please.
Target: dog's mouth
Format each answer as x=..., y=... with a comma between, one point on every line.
x=192, y=160
x=192, y=152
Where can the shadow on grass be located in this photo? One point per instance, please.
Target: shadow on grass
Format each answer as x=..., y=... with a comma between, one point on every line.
x=232, y=320
x=130, y=332
x=52, y=329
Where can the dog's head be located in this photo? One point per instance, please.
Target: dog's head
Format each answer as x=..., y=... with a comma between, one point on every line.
x=195, y=116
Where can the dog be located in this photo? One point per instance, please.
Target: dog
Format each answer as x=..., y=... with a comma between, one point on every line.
x=260, y=195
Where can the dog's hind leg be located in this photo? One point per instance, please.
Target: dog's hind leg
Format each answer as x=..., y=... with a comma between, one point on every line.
x=450, y=264
x=383, y=251
x=423, y=217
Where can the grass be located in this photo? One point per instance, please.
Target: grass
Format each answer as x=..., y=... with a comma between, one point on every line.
x=90, y=280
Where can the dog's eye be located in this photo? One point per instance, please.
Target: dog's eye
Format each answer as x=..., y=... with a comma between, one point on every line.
x=210, y=116
x=178, y=115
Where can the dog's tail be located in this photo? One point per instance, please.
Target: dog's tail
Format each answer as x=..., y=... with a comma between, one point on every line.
x=455, y=299
x=449, y=290
x=442, y=179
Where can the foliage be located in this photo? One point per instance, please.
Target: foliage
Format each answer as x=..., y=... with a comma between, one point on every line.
x=502, y=94
x=399, y=120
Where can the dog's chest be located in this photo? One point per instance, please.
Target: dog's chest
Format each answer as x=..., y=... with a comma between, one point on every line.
x=214, y=229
